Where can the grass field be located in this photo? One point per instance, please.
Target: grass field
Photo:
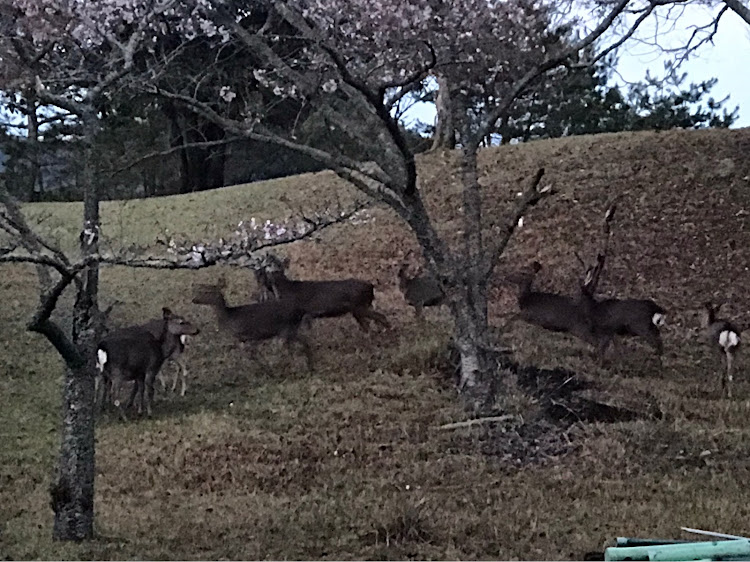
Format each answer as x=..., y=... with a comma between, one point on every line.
x=263, y=460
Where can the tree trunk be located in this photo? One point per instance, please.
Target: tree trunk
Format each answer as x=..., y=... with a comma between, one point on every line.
x=468, y=298
x=72, y=492
x=445, y=129
x=478, y=379
x=35, y=178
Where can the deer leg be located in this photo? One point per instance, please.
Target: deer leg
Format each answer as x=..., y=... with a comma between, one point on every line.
x=654, y=338
x=116, y=390
x=182, y=375
x=253, y=349
x=293, y=335
x=149, y=394
x=307, y=351
x=136, y=394
x=730, y=360
x=100, y=391
x=378, y=317
x=601, y=346
x=163, y=381
x=418, y=313
x=362, y=320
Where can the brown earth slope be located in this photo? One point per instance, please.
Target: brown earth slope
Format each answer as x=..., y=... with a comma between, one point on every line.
x=262, y=460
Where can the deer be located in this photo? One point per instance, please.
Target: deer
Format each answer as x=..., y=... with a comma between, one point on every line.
x=621, y=317
x=557, y=313
x=136, y=354
x=614, y=317
x=251, y=323
x=324, y=299
x=173, y=348
x=420, y=291
x=724, y=337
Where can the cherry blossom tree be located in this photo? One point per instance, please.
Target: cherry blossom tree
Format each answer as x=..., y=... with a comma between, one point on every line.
x=69, y=55
x=350, y=62
x=72, y=56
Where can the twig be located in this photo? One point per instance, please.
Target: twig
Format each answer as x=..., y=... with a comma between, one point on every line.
x=713, y=534
x=478, y=421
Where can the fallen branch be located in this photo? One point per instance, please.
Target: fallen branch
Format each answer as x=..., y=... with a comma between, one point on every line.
x=478, y=421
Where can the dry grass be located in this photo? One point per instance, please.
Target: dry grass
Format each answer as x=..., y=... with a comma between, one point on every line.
x=262, y=460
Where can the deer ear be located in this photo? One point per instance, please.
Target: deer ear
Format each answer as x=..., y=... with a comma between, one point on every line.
x=166, y=313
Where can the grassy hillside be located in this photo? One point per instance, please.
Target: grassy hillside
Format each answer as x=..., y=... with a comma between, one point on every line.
x=262, y=460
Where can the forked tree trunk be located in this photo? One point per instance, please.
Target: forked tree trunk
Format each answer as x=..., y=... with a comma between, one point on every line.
x=72, y=492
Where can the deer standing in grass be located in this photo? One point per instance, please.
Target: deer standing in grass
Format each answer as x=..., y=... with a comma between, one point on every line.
x=725, y=337
x=420, y=291
x=256, y=322
x=173, y=348
x=323, y=299
x=136, y=354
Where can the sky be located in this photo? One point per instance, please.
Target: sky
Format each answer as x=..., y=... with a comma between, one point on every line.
x=728, y=59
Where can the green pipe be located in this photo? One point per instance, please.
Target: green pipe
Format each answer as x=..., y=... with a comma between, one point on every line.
x=704, y=550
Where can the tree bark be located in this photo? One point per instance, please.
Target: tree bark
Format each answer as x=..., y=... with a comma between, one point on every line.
x=445, y=129
x=468, y=301
x=72, y=492
x=474, y=251
x=35, y=178
x=478, y=380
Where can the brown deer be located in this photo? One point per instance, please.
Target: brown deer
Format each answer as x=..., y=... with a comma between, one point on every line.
x=621, y=317
x=173, y=348
x=256, y=322
x=725, y=337
x=420, y=291
x=557, y=313
x=618, y=317
x=324, y=299
x=136, y=354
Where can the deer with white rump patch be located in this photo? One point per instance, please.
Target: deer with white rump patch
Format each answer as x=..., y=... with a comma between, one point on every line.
x=612, y=317
x=725, y=337
x=256, y=322
x=621, y=317
x=137, y=354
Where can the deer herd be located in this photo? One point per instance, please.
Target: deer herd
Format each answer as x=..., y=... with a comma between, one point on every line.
x=285, y=308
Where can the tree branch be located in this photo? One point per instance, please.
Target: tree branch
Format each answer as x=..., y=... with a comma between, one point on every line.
x=171, y=150
x=739, y=8
x=520, y=86
x=376, y=100
x=528, y=198
x=364, y=176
